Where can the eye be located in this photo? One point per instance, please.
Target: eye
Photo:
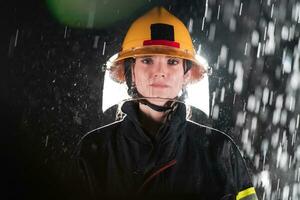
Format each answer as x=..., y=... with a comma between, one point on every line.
x=173, y=61
x=147, y=61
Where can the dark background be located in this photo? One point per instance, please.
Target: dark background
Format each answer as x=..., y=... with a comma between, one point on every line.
x=51, y=87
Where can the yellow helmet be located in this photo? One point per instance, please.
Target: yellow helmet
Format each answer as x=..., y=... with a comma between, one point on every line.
x=158, y=32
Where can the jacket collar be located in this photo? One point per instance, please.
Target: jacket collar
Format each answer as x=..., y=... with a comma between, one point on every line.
x=170, y=130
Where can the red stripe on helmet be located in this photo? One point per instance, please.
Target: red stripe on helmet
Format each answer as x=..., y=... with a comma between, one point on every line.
x=161, y=42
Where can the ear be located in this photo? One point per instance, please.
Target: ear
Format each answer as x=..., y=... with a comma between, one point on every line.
x=186, y=77
x=132, y=73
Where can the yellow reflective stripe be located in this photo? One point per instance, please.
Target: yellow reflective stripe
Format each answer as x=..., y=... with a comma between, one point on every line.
x=245, y=193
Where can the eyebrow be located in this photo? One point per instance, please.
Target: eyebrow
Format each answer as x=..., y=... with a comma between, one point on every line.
x=172, y=57
x=150, y=56
x=146, y=57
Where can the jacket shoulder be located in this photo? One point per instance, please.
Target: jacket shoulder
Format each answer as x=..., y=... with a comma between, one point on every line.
x=202, y=131
x=99, y=136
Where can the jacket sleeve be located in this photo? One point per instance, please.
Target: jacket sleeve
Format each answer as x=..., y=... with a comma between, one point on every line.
x=90, y=169
x=75, y=178
x=240, y=176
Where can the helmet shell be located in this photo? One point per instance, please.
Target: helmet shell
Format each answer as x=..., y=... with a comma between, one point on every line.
x=158, y=32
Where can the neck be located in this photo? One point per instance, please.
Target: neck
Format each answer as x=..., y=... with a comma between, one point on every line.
x=151, y=120
x=151, y=114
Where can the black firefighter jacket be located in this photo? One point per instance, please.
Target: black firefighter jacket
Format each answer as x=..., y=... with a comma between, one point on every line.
x=184, y=160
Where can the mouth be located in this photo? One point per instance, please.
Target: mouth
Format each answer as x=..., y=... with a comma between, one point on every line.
x=159, y=85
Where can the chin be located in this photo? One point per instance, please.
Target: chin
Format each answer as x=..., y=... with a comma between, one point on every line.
x=158, y=97
x=160, y=100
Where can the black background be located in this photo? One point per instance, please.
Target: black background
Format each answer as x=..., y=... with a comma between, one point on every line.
x=51, y=83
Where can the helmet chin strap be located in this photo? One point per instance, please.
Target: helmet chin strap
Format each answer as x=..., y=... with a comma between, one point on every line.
x=154, y=106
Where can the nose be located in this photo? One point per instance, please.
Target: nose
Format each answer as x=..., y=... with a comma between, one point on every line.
x=160, y=71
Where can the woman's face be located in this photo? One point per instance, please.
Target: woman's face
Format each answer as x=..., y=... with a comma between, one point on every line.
x=159, y=76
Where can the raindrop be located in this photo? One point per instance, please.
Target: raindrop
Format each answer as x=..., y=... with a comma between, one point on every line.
x=271, y=98
x=231, y=66
x=276, y=116
x=104, y=46
x=16, y=38
x=264, y=146
x=292, y=126
x=238, y=83
x=279, y=101
x=212, y=31
x=255, y=38
x=248, y=149
x=295, y=191
x=251, y=103
x=46, y=142
x=297, y=153
x=232, y=24
x=222, y=94
x=278, y=183
x=65, y=34
x=258, y=50
x=96, y=40
x=265, y=33
x=223, y=54
x=283, y=160
x=290, y=161
x=285, y=192
x=199, y=49
x=287, y=64
x=272, y=10
x=292, y=33
x=279, y=152
x=245, y=135
x=203, y=22
x=290, y=102
x=246, y=49
x=296, y=63
x=254, y=124
x=190, y=26
x=213, y=100
x=241, y=8
x=218, y=15
x=257, y=107
x=270, y=44
x=240, y=119
x=265, y=96
x=206, y=8
x=233, y=101
x=215, y=114
x=275, y=139
x=296, y=13
x=283, y=117
x=265, y=179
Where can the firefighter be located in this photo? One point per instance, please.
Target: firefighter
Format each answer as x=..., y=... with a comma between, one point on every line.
x=154, y=151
